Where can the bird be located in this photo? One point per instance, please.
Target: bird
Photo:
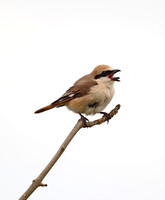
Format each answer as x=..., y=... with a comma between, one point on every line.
x=90, y=94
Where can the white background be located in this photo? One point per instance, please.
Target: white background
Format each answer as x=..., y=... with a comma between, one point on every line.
x=45, y=46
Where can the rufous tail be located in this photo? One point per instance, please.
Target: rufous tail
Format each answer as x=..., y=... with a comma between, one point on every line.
x=57, y=103
x=45, y=108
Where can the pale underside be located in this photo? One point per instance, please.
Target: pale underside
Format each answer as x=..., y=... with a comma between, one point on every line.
x=92, y=104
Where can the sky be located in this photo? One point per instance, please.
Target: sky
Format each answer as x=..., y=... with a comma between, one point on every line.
x=45, y=46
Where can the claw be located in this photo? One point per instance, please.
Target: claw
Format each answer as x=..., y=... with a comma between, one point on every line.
x=84, y=120
x=106, y=115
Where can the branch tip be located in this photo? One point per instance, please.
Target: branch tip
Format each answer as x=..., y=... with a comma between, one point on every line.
x=103, y=119
x=43, y=185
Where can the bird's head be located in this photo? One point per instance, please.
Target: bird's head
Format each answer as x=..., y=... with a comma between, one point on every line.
x=105, y=73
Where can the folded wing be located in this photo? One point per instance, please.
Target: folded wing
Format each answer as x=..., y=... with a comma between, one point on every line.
x=79, y=89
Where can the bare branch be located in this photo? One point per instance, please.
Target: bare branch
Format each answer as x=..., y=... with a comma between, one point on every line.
x=103, y=119
x=38, y=181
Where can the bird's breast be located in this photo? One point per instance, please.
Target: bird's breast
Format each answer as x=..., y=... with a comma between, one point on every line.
x=94, y=102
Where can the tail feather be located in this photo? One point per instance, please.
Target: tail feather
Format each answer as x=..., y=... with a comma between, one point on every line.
x=45, y=108
x=58, y=103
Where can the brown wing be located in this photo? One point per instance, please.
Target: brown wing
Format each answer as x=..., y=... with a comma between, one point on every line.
x=80, y=88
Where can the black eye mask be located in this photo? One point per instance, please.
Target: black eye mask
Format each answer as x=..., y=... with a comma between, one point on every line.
x=103, y=74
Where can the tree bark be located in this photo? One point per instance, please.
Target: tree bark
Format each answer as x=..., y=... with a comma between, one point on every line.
x=38, y=181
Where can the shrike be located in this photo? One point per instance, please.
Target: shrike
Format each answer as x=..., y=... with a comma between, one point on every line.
x=90, y=94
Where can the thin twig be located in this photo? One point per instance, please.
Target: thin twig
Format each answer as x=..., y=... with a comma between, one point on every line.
x=38, y=181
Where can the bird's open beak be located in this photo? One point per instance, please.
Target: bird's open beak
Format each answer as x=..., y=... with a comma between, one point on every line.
x=111, y=75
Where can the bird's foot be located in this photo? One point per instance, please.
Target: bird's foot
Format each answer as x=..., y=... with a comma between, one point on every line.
x=84, y=120
x=106, y=115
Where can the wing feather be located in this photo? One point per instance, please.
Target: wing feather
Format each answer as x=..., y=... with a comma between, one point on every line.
x=79, y=89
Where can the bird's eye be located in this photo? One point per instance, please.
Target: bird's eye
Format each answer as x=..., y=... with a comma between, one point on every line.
x=102, y=74
x=105, y=73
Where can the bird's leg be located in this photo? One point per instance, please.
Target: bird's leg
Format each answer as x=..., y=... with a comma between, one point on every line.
x=106, y=115
x=84, y=119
